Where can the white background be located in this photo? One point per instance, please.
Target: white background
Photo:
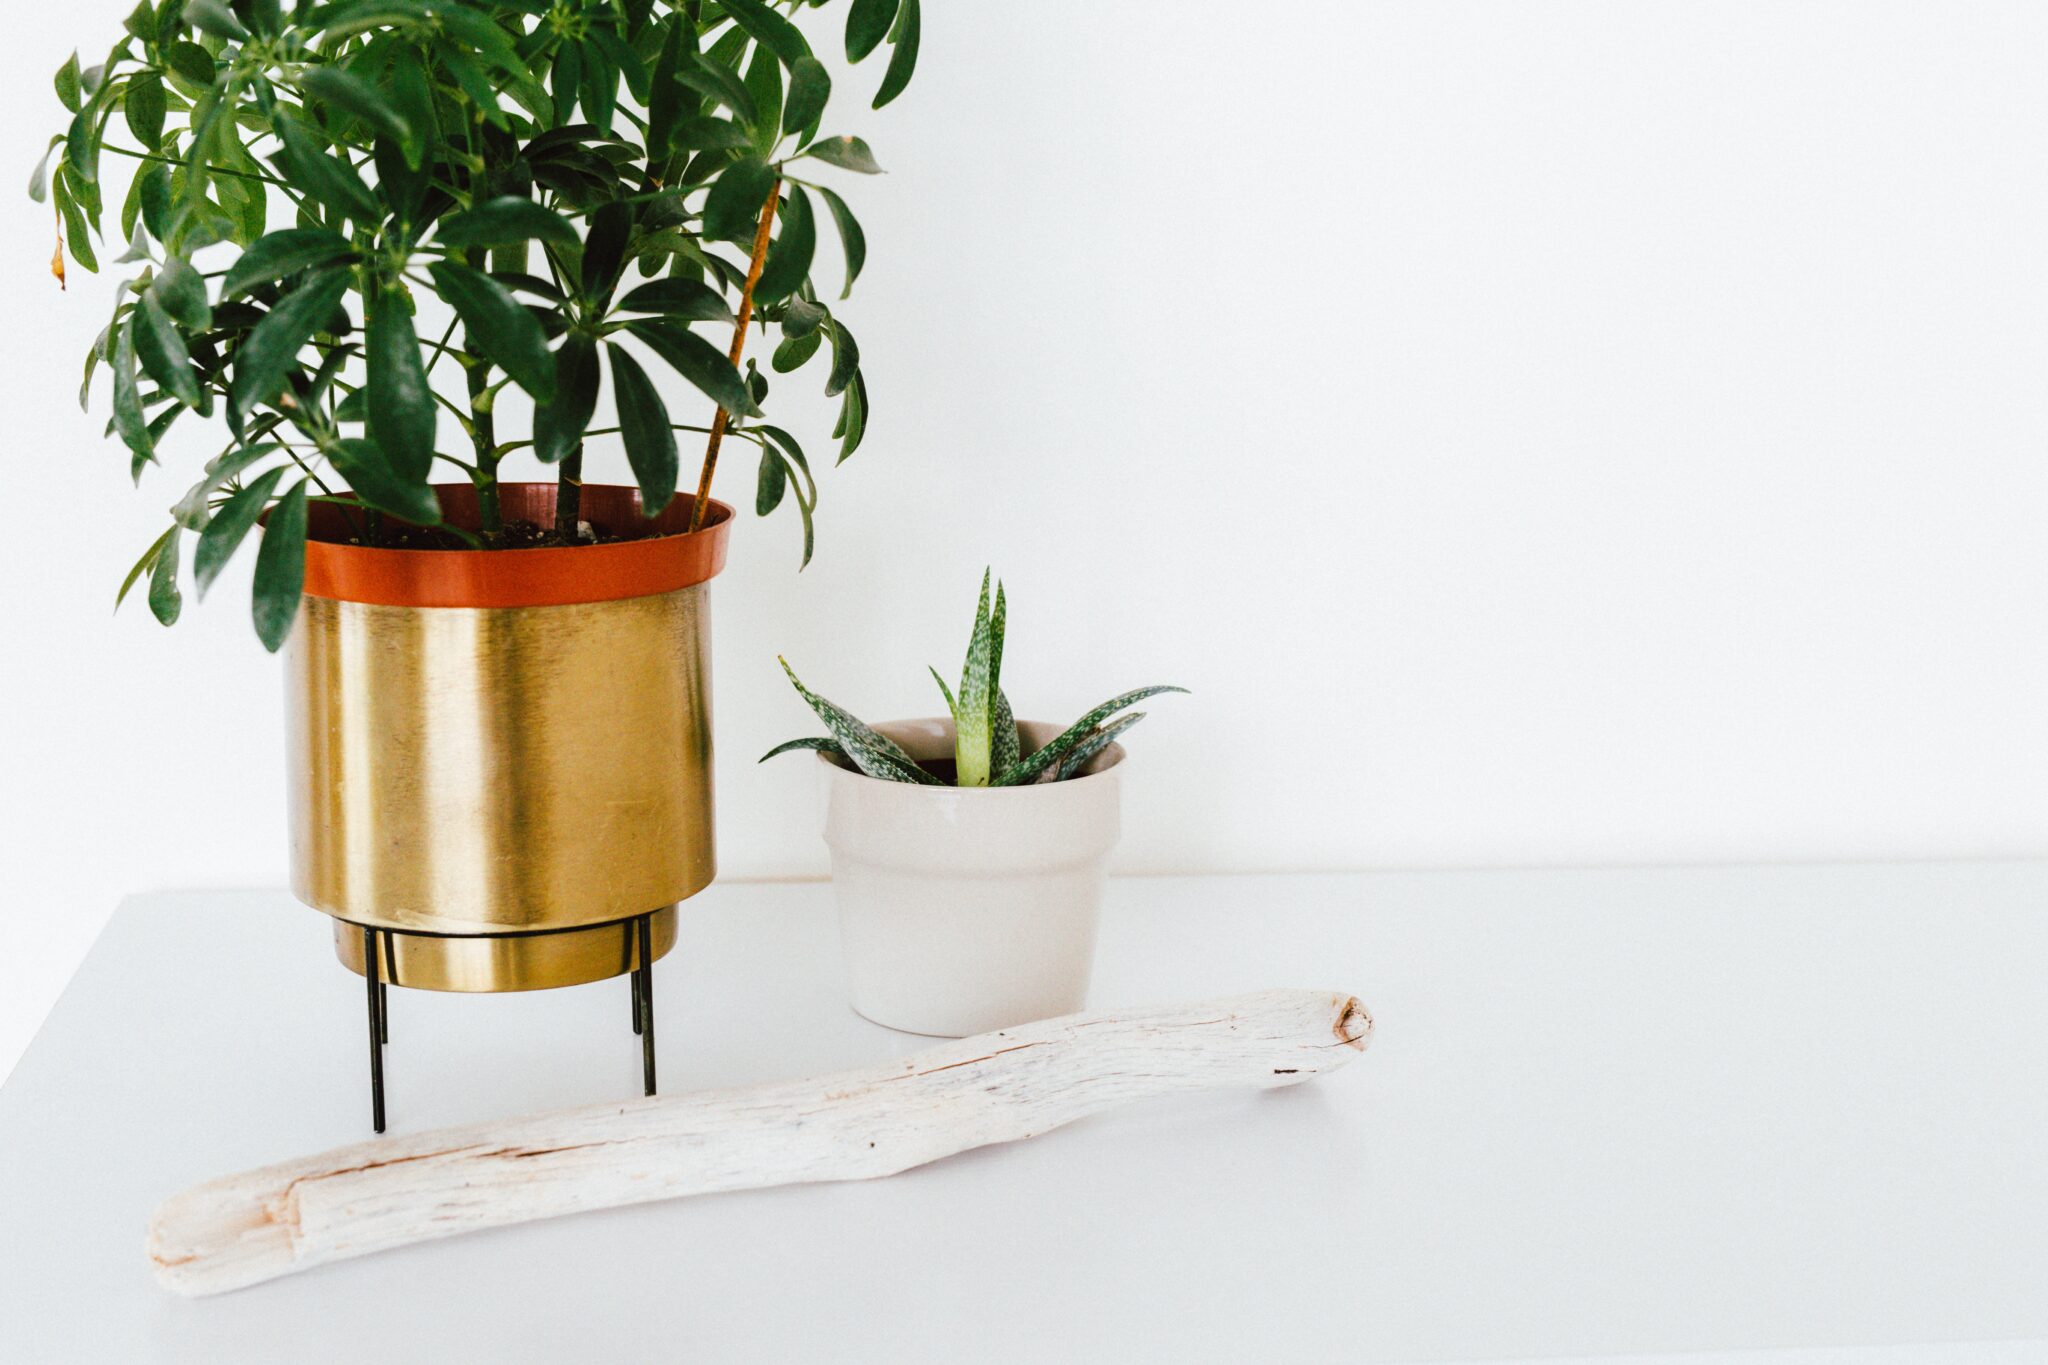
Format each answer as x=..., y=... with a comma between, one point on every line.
x=1555, y=433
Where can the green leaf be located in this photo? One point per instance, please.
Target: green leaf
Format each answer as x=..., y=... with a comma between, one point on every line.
x=803, y=317
x=558, y=426
x=128, y=418
x=1097, y=740
x=213, y=16
x=852, y=240
x=853, y=419
x=39, y=179
x=770, y=29
x=698, y=361
x=411, y=98
x=685, y=300
x=143, y=565
x=732, y=211
x=281, y=569
x=719, y=82
x=604, y=249
x=191, y=61
x=164, y=601
x=153, y=186
x=224, y=534
x=1004, y=747
x=764, y=87
x=847, y=153
x=68, y=91
x=76, y=235
x=349, y=93
x=972, y=728
x=820, y=744
x=715, y=134
x=1028, y=770
x=193, y=510
x=272, y=348
x=565, y=78
x=369, y=471
x=506, y=221
x=403, y=416
x=143, y=106
x=497, y=327
x=845, y=360
x=873, y=753
x=789, y=258
x=952, y=707
x=329, y=179
x=161, y=347
x=771, y=481
x=794, y=351
x=867, y=23
x=665, y=102
x=182, y=291
x=643, y=424
x=285, y=252
x=902, y=56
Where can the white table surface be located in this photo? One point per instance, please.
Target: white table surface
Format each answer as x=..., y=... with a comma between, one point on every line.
x=1740, y=1111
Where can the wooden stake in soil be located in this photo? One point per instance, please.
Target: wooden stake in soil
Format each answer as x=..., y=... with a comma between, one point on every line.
x=739, y=344
x=876, y=1121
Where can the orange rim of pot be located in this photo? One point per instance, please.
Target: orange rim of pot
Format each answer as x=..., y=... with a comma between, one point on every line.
x=668, y=557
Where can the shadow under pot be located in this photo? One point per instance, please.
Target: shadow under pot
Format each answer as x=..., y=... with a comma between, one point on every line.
x=500, y=761
x=964, y=910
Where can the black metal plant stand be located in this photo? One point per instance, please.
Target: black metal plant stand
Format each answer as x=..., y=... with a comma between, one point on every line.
x=380, y=966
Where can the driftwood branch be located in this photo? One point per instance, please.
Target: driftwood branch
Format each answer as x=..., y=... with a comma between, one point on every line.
x=876, y=1121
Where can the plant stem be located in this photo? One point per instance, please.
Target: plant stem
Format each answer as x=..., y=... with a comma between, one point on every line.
x=569, y=493
x=483, y=437
x=739, y=344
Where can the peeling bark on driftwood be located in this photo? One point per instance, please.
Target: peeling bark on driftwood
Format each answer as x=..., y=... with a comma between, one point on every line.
x=243, y=1229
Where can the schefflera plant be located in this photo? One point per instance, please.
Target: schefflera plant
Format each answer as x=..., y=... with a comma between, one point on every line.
x=514, y=161
x=986, y=743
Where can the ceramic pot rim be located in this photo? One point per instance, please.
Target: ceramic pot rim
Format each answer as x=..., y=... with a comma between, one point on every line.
x=542, y=577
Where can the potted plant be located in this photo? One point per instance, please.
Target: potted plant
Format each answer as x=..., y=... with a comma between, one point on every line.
x=425, y=215
x=969, y=851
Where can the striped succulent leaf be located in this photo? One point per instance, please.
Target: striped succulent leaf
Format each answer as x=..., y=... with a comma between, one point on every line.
x=1003, y=749
x=1017, y=774
x=1098, y=739
x=873, y=753
x=973, y=728
x=820, y=743
x=952, y=707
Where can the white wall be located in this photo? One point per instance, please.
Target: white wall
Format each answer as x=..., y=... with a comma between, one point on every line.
x=1550, y=433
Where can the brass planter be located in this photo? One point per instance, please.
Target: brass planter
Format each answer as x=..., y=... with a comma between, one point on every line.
x=500, y=760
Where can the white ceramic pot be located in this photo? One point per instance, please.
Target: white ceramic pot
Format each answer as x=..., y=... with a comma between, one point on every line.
x=966, y=910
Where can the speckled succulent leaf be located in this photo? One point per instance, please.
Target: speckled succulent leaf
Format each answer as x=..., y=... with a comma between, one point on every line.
x=973, y=727
x=996, y=622
x=817, y=742
x=1028, y=770
x=873, y=753
x=952, y=708
x=1098, y=739
x=1004, y=749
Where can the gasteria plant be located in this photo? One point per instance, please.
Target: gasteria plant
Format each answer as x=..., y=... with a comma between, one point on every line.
x=986, y=745
x=514, y=160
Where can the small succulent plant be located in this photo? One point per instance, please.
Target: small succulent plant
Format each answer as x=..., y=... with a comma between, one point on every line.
x=986, y=748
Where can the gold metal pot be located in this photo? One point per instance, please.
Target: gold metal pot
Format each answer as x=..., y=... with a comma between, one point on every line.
x=503, y=758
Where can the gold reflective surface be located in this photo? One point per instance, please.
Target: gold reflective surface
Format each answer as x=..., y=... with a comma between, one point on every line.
x=461, y=770
x=516, y=962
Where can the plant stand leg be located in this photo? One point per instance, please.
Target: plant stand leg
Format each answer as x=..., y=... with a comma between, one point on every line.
x=645, y=1015
x=390, y=975
x=373, y=979
x=632, y=935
